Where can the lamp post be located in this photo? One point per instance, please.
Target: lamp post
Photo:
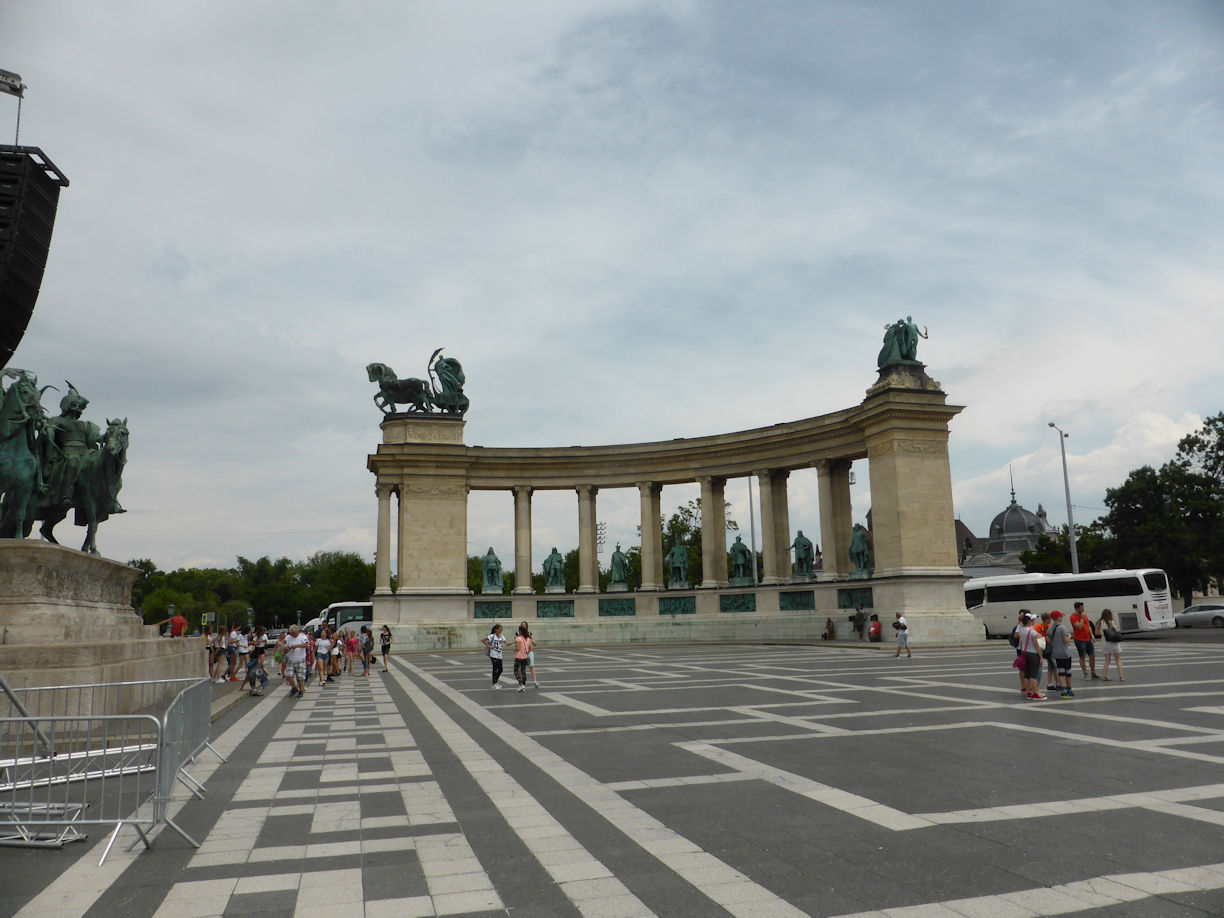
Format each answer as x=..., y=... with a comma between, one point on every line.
x=1067, y=488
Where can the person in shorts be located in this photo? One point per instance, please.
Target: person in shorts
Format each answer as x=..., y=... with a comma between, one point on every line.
x=296, y=644
x=1082, y=633
x=1059, y=642
x=902, y=636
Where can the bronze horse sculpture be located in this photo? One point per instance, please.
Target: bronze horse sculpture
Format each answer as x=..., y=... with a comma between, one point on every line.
x=21, y=419
x=421, y=395
x=96, y=490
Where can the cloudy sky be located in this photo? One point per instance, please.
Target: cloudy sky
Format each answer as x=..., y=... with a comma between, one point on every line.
x=630, y=221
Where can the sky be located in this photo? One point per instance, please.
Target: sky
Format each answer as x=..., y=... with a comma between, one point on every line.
x=629, y=221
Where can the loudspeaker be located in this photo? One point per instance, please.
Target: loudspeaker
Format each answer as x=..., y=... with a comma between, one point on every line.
x=29, y=194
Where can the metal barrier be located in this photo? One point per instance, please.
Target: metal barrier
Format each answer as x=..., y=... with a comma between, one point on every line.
x=69, y=760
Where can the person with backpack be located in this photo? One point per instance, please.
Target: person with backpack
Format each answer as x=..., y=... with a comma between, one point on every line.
x=1060, y=642
x=1030, y=644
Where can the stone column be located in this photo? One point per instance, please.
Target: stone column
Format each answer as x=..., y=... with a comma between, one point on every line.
x=588, y=567
x=522, y=539
x=782, y=523
x=769, y=529
x=836, y=519
x=382, y=554
x=401, y=537
x=652, y=536
x=713, y=534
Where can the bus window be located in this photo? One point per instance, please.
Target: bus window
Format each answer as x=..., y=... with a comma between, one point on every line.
x=1156, y=581
x=974, y=597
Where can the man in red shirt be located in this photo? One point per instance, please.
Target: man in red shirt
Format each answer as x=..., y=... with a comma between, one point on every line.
x=1081, y=632
x=178, y=624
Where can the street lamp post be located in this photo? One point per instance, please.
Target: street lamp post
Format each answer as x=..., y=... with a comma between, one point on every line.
x=1067, y=488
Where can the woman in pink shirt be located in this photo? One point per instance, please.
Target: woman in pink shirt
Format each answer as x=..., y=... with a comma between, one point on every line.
x=522, y=650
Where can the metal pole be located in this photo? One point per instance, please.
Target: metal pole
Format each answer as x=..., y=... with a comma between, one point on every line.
x=1067, y=488
x=752, y=531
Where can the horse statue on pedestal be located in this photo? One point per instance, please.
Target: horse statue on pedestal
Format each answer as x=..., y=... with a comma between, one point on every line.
x=96, y=489
x=21, y=419
x=421, y=395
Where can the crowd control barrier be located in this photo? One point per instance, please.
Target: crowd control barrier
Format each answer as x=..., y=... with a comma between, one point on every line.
x=76, y=756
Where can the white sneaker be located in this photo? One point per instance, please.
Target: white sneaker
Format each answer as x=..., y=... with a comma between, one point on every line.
x=496, y=686
x=522, y=688
x=537, y=685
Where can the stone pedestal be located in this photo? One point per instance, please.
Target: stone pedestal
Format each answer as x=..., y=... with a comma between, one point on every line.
x=554, y=588
x=618, y=588
x=678, y=585
x=66, y=618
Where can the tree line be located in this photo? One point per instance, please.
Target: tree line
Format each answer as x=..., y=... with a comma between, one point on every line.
x=1171, y=517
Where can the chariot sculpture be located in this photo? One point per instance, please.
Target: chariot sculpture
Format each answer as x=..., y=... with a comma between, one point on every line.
x=441, y=390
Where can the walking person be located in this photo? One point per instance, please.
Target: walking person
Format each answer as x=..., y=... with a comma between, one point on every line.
x=495, y=642
x=1059, y=642
x=296, y=645
x=231, y=654
x=1043, y=628
x=860, y=623
x=531, y=655
x=323, y=646
x=1082, y=632
x=384, y=639
x=1107, y=629
x=902, y=636
x=367, y=649
x=522, y=652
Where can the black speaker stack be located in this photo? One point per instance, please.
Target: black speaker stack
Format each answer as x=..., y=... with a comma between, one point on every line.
x=29, y=193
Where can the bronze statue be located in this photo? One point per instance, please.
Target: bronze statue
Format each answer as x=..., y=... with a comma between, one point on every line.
x=860, y=553
x=22, y=419
x=620, y=566
x=421, y=395
x=805, y=553
x=677, y=560
x=900, y=342
x=491, y=565
x=554, y=569
x=741, y=559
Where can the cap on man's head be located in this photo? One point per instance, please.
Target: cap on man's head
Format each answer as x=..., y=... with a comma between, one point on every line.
x=1056, y=614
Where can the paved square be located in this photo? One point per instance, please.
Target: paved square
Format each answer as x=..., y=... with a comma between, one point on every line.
x=696, y=781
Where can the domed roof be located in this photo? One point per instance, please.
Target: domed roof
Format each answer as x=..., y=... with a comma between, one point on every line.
x=1015, y=521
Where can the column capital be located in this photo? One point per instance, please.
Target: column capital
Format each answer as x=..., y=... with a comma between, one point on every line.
x=763, y=473
x=383, y=490
x=713, y=481
x=586, y=490
x=527, y=490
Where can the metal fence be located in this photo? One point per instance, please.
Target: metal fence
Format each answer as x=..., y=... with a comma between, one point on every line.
x=76, y=756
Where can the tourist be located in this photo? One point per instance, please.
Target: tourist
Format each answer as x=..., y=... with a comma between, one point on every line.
x=829, y=633
x=367, y=649
x=296, y=646
x=231, y=654
x=280, y=655
x=522, y=651
x=1014, y=640
x=1043, y=628
x=902, y=636
x=1028, y=645
x=384, y=640
x=336, y=654
x=244, y=650
x=1081, y=630
x=531, y=655
x=256, y=675
x=1059, y=642
x=323, y=646
x=350, y=652
x=495, y=642
x=211, y=644
x=1107, y=629
x=875, y=631
x=860, y=622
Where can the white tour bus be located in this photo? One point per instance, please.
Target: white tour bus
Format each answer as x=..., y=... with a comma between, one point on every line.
x=346, y=615
x=1139, y=599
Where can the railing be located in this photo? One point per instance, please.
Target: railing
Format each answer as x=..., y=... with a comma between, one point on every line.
x=81, y=755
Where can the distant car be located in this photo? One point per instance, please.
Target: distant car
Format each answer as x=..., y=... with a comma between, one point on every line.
x=1204, y=613
x=274, y=634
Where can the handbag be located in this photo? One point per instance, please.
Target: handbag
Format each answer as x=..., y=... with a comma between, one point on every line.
x=1112, y=635
x=1018, y=662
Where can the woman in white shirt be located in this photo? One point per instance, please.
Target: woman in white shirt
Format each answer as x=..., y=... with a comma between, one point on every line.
x=323, y=646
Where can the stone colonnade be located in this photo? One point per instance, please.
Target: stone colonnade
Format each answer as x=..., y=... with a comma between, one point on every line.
x=900, y=428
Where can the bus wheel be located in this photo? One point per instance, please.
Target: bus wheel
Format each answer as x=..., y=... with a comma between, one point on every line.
x=1218, y=621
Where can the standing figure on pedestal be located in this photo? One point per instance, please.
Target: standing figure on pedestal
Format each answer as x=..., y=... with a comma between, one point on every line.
x=492, y=568
x=860, y=552
x=620, y=566
x=554, y=571
x=805, y=554
x=741, y=560
x=677, y=561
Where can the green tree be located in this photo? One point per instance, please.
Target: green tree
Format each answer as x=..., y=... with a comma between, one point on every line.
x=1093, y=547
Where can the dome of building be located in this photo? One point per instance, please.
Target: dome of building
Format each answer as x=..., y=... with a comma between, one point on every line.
x=1016, y=529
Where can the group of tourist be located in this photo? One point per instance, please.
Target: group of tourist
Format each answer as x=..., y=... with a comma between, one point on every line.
x=524, y=655
x=299, y=655
x=1045, y=642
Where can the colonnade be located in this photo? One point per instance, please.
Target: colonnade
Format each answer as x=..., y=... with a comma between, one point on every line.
x=835, y=519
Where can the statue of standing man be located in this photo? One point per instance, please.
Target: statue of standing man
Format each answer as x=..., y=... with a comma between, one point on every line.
x=554, y=570
x=805, y=554
x=900, y=343
x=492, y=567
x=620, y=566
x=860, y=553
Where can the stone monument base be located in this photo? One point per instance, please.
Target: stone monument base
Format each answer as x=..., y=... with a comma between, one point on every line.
x=486, y=590
x=741, y=581
x=618, y=588
x=679, y=585
x=66, y=619
x=554, y=588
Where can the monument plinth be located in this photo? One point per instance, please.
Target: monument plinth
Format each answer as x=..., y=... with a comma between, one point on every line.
x=66, y=618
